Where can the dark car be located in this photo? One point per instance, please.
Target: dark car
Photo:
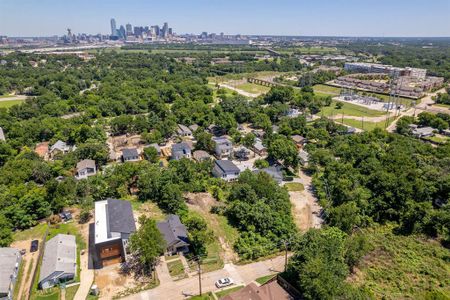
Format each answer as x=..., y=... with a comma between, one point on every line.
x=34, y=246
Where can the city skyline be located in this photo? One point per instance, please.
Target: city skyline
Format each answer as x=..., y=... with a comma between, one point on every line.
x=287, y=17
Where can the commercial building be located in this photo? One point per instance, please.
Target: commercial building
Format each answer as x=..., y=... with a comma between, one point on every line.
x=113, y=27
x=362, y=67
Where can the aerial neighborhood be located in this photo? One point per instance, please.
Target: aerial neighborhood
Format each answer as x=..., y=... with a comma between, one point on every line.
x=151, y=164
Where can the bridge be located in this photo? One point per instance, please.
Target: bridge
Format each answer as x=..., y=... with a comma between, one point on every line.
x=262, y=82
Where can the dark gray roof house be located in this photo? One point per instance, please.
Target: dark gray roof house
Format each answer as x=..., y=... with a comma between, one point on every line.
x=130, y=154
x=175, y=235
x=114, y=223
x=226, y=170
x=200, y=155
x=274, y=172
x=184, y=130
x=181, y=150
x=10, y=260
x=59, y=263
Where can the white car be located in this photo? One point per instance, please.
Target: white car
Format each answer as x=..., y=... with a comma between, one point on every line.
x=223, y=282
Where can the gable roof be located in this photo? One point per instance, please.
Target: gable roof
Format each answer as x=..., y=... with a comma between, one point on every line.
x=86, y=163
x=181, y=147
x=226, y=166
x=268, y=291
x=173, y=231
x=182, y=129
x=201, y=154
x=60, y=255
x=130, y=152
x=59, y=145
x=8, y=260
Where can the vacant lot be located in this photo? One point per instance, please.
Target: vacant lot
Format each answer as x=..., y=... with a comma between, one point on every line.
x=349, y=109
x=294, y=186
x=367, y=126
x=253, y=88
x=403, y=267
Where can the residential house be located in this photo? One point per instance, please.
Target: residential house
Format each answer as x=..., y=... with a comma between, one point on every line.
x=421, y=132
x=2, y=135
x=114, y=223
x=156, y=146
x=181, y=150
x=223, y=147
x=298, y=140
x=274, y=171
x=194, y=127
x=226, y=170
x=85, y=168
x=130, y=154
x=175, y=235
x=10, y=260
x=292, y=113
x=200, y=155
x=184, y=131
x=303, y=157
x=59, y=148
x=259, y=148
x=268, y=291
x=242, y=153
x=59, y=263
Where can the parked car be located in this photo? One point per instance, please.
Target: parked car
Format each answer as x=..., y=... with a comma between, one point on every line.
x=224, y=282
x=34, y=246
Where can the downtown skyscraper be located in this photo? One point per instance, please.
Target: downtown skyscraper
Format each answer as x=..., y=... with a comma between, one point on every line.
x=113, y=27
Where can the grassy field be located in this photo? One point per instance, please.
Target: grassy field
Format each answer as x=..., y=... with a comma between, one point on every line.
x=49, y=294
x=238, y=76
x=253, y=88
x=367, y=126
x=175, y=51
x=350, y=110
x=208, y=296
x=9, y=103
x=403, y=267
x=175, y=268
x=32, y=233
x=294, y=186
x=264, y=279
x=19, y=280
x=223, y=293
x=71, y=291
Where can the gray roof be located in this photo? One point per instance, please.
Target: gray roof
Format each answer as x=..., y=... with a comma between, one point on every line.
x=274, y=172
x=120, y=217
x=8, y=259
x=182, y=129
x=227, y=166
x=423, y=130
x=181, y=147
x=156, y=146
x=86, y=163
x=59, y=145
x=193, y=127
x=201, y=154
x=2, y=135
x=130, y=152
x=60, y=255
x=173, y=231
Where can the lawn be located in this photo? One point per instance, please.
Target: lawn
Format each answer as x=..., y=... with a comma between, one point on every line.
x=71, y=291
x=223, y=293
x=349, y=109
x=442, y=105
x=35, y=232
x=19, y=280
x=253, y=88
x=265, y=279
x=438, y=139
x=403, y=267
x=294, y=186
x=326, y=90
x=9, y=103
x=171, y=257
x=367, y=126
x=208, y=296
x=50, y=294
x=175, y=268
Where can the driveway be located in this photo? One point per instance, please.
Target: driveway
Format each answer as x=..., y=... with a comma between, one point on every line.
x=242, y=275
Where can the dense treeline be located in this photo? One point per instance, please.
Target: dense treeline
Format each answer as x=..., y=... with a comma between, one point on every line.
x=381, y=177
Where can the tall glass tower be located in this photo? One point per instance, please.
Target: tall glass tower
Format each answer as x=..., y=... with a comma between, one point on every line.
x=113, y=27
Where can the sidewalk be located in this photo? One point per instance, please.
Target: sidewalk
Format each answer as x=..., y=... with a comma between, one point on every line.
x=86, y=278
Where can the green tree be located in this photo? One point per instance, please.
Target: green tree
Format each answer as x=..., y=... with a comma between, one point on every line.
x=147, y=244
x=151, y=154
x=5, y=232
x=284, y=150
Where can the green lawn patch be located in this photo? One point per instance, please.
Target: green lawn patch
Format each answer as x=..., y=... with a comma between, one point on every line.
x=175, y=268
x=294, y=186
x=171, y=257
x=36, y=232
x=403, y=267
x=19, y=280
x=253, y=88
x=349, y=109
x=9, y=103
x=223, y=293
x=326, y=89
x=208, y=296
x=49, y=294
x=71, y=291
x=265, y=279
x=367, y=126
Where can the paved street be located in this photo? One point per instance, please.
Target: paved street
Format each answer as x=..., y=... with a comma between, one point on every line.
x=242, y=275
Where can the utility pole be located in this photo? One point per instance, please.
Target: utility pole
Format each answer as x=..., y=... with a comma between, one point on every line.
x=199, y=276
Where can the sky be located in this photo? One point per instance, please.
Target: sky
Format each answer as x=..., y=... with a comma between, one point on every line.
x=380, y=18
